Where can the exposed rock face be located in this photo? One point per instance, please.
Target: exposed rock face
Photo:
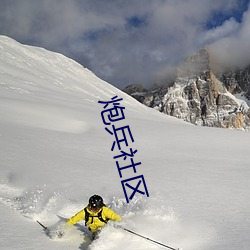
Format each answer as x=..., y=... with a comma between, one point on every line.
x=199, y=97
x=137, y=91
x=237, y=81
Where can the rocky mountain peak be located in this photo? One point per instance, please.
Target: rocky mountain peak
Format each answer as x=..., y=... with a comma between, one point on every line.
x=196, y=64
x=202, y=97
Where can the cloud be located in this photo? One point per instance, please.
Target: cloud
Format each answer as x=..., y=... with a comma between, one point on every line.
x=233, y=49
x=228, y=28
x=123, y=42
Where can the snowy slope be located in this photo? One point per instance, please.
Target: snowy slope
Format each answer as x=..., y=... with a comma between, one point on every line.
x=55, y=153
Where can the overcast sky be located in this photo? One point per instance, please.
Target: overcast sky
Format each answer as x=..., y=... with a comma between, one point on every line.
x=131, y=41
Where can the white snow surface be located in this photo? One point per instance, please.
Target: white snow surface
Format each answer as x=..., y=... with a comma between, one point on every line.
x=55, y=153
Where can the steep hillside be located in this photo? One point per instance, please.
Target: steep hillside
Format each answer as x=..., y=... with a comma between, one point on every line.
x=56, y=152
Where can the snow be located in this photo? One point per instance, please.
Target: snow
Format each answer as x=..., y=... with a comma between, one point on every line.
x=242, y=99
x=55, y=153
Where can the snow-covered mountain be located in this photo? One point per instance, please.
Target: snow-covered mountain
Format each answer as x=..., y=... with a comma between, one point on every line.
x=55, y=153
x=201, y=95
x=237, y=81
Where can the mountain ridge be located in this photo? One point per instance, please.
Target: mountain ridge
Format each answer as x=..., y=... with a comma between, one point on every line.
x=201, y=95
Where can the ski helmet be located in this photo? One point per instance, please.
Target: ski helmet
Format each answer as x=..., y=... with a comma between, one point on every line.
x=95, y=202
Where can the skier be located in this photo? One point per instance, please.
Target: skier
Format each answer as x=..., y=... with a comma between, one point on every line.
x=95, y=214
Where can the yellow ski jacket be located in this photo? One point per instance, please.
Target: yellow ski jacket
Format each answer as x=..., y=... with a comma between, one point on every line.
x=94, y=223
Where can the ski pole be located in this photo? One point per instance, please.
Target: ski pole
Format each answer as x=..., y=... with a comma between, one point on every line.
x=45, y=228
x=159, y=243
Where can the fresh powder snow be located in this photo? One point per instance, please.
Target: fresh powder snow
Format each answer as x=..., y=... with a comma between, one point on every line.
x=55, y=153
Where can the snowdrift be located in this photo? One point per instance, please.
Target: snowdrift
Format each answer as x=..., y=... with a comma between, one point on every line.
x=55, y=153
